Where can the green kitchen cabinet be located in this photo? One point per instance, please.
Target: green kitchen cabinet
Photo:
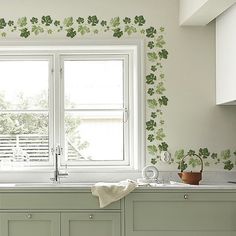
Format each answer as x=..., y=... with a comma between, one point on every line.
x=29, y=224
x=144, y=212
x=57, y=213
x=180, y=214
x=90, y=224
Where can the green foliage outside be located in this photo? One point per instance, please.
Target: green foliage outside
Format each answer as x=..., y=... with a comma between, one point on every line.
x=35, y=123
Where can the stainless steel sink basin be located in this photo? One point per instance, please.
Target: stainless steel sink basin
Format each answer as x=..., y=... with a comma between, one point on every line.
x=45, y=185
x=2, y=185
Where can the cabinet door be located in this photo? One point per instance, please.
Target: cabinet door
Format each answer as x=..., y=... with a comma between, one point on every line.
x=180, y=214
x=29, y=224
x=90, y=224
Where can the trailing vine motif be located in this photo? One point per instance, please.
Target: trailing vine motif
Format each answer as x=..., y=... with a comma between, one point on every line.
x=118, y=27
x=225, y=158
x=156, y=53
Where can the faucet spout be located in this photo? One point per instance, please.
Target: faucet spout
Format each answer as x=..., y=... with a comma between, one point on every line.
x=57, y=174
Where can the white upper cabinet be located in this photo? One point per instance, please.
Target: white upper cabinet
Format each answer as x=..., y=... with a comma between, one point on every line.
x=226, y=57
x=201, y=12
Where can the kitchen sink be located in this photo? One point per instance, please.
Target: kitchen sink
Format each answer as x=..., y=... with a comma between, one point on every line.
x=44, y=185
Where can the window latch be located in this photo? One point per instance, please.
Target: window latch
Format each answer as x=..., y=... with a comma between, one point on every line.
x=126, y=115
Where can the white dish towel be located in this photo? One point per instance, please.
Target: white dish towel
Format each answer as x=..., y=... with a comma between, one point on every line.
x=111, y=192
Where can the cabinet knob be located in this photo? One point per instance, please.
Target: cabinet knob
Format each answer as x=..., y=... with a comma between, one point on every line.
x=185, y=196
x=29, y=216
x=91, y=216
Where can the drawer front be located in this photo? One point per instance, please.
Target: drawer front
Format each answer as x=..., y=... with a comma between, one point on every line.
x=185, y=195
x=28, y=224
x=50, y=201
x=191, y=214
x=90, y=224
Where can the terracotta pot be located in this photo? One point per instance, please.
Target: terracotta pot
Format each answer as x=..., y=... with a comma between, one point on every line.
x=191, y=177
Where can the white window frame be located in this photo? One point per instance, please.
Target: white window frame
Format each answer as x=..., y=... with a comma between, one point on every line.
x=33, y=57
x=126, y=134
x=134, y=50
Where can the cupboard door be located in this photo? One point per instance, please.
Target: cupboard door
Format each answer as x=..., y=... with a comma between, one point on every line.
x=90, y=224
x=180, y=214
x=29, y=224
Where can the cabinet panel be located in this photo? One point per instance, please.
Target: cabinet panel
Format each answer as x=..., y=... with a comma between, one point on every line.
x=226, y=57
x=90, y=224
x=152, y=214
x=51, y=201
x=30, y=224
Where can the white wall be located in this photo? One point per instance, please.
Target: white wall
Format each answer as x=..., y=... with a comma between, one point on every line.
x=192, y=118
x=226, y=56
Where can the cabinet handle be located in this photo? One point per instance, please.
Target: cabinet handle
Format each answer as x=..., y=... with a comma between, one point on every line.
x=185, y=196
x=91, y=216
x=29, y=216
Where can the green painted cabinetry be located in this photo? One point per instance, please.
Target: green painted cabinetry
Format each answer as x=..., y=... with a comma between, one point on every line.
x=90, y=224
x=51, y=213
x=29, y=224
x=144, y=212
x=180, y=214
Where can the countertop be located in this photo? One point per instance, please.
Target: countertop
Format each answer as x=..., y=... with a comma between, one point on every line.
x=86, y=187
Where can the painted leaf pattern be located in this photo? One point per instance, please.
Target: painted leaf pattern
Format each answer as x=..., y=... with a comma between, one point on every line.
x=156, y=101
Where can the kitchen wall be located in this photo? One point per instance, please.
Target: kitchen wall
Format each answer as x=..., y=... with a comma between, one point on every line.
x=192, y=120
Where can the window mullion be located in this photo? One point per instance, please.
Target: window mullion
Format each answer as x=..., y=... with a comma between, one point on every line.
x=23, y=111
x=127, y=69
x=57, y=102
x=51, y=130
x=61, y=108
x=95, y=109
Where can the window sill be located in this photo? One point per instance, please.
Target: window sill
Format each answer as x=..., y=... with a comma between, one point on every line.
x=36, y=175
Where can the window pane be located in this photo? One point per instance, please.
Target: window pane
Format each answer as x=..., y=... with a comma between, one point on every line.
x=94, y=136
x=24, y=85
x=24, y=137
x=96, y=83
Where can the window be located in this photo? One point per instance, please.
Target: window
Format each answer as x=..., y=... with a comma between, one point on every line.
x=24, y=111
x=84, y=99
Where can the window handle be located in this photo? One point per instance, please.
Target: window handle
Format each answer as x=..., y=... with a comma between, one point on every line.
x=59, y=150
x=126, y=115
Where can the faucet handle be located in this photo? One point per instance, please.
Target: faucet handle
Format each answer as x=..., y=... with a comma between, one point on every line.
x=53, y=179
x=64, y=173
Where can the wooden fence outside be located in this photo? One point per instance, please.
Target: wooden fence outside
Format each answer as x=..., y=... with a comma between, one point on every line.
x=34, y=148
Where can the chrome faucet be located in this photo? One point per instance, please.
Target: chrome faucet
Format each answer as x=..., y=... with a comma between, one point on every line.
x=57, y=174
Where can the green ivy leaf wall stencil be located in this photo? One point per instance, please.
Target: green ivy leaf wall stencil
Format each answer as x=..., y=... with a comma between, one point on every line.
x=156, y=54
x=226, y=159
